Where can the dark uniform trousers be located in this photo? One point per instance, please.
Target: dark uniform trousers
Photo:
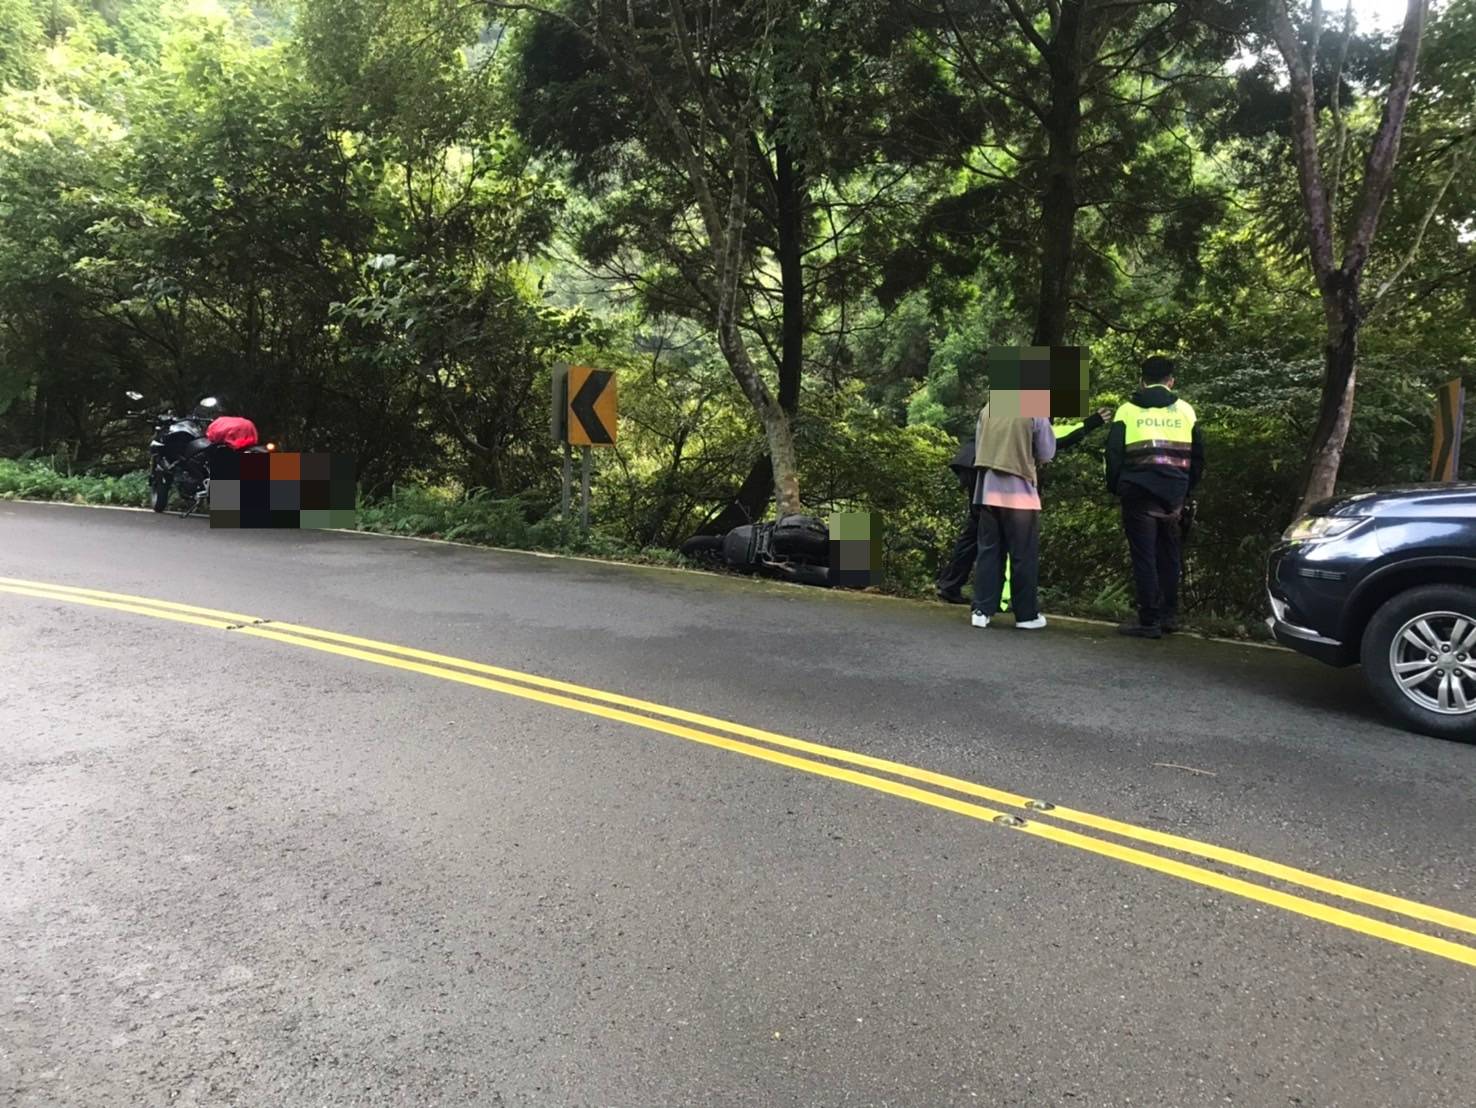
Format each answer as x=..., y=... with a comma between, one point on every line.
x=955, y=575
x=1154, y=543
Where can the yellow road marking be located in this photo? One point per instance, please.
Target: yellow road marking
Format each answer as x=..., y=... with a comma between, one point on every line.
x=138, y=609
x=1373, y=898
x=315, y=639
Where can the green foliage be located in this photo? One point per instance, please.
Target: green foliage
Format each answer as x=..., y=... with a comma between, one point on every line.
x=480, y=519
x=36, y=479
x=20, y=40
x=686, y=430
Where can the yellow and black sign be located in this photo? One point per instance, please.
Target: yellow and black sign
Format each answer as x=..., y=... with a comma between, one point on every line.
x=591, y=414
x=1450, y=419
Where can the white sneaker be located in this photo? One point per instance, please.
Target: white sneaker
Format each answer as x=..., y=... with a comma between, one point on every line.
x=1031, y=624
x=979, y=619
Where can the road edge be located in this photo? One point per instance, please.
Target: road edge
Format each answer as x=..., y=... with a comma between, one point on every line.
x=849, y=594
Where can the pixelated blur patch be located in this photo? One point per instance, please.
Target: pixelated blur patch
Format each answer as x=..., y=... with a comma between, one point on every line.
x=855, y=550
x=285, y=467
x=283, y=491
x=286, y=495
x=255, y=467
x=225, y=495
x=1046, y=382
x=225, y=466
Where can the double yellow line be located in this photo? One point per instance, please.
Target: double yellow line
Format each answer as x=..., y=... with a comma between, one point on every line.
x=937, y=790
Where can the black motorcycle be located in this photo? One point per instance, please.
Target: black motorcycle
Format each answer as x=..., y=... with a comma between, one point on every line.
x=181, y=454
x=792, y=548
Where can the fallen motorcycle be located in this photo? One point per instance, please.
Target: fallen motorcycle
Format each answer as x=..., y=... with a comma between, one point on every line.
x=791, y=548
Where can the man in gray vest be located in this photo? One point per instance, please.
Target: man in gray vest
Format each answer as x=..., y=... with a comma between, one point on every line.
x=960, y=564
x=1006, y=452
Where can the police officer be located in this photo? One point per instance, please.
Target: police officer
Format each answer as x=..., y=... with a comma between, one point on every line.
x=1155, y=458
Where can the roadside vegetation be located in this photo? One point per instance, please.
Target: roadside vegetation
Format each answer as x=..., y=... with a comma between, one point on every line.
x=374, y=226
x=477, y=519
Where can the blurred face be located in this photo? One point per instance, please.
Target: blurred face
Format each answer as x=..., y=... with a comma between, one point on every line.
x=1035, y=403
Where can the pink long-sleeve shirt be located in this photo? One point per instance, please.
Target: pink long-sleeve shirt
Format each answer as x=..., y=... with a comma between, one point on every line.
x=1004, y=490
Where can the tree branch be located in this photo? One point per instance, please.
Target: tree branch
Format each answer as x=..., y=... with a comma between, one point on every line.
x=1378, y=176
x=1028, y=27
x=1340, y=122
x=1304, y=144
x=981, y=75
x=1455, y=167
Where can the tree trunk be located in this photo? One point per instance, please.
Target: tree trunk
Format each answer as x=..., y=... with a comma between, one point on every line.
x=775, y=420
x=783, y=458
x=748, y=502
x=753, y=495
x=791, y=206
x=1335, y=409
x=1059, y=200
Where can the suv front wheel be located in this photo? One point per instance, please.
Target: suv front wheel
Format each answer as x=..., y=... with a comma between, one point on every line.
x=1419, y=656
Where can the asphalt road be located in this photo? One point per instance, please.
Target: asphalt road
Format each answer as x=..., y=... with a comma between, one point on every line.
x=246, y=870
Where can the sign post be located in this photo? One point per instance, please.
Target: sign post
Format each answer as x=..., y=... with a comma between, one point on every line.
x=568, y=481
x=583, y=415
x=1450, y=420
x=584, y=490
x=558, y=426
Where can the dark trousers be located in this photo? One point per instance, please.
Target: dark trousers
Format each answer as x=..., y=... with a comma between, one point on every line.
x=1012, y=533
x=955, y=575
x=1153, y=542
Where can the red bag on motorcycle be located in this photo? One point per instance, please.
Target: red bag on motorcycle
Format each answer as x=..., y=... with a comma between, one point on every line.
x=235, y=431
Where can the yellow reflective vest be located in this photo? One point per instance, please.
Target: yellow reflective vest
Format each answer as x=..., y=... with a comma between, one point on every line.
x=1157, y=438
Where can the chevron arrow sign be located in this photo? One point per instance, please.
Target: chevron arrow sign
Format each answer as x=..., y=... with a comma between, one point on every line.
x=591, y=406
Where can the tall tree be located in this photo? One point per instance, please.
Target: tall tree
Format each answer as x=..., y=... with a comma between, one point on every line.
x=1321, y=177
x=1081, y=167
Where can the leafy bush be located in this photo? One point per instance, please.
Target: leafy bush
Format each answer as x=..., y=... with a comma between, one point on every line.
x=39, y=480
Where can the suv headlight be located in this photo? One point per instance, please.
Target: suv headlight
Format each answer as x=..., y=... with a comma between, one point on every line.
x=1320, y=528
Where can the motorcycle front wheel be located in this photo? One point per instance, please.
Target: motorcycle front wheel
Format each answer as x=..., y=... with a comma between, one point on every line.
x=160, y=497
x=703, y=548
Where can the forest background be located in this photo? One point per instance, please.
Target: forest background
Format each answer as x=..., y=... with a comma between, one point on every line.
x=793, y=229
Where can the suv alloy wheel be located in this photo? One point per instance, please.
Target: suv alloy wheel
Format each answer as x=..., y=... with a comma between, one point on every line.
x=1419, y=655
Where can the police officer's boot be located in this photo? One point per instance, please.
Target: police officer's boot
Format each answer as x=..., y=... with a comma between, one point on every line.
x=1146, y=626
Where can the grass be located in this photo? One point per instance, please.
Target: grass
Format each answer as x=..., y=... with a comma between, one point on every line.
x=482, y=520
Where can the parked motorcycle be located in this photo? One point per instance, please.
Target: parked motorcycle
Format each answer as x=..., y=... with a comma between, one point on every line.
x=180, y=455
x=792, y=548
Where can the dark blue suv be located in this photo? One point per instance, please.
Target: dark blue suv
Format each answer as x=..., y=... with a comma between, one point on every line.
x=1388, y=579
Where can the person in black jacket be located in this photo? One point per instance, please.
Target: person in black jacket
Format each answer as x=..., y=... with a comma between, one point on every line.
x=960, y=565
x=1155, y=458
